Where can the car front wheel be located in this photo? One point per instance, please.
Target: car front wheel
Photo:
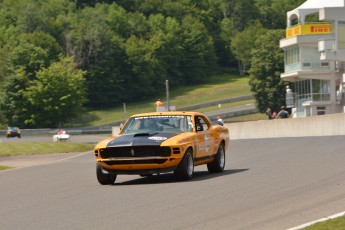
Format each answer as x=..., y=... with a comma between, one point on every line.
x=104, y=179
x=219, y=161
x=185, y=169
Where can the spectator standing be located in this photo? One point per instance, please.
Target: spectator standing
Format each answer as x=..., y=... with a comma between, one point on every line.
x=282, y=113
x=220, y=120
x=269, y=113
x=159, y=104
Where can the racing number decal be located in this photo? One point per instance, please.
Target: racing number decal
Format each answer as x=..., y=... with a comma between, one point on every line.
x=207, y=143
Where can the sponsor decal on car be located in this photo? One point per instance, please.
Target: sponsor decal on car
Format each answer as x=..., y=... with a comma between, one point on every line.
x=154, y=138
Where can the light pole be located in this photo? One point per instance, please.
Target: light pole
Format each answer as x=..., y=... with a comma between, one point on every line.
x=167, y=89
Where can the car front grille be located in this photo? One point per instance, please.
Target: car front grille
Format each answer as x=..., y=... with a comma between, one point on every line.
x=135, y=151
x=126, y=162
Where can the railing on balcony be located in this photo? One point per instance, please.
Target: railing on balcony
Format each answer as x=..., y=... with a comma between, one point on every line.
x=314, y=97
x=309, y=28
x=307, y=66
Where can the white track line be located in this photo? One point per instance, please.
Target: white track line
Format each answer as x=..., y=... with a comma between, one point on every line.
x=317, y=221
x=67, y=158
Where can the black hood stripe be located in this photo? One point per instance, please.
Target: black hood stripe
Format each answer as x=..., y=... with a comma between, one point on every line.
x=146, y=139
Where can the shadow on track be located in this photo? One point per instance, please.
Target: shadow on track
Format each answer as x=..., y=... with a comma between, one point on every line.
x=170, y=178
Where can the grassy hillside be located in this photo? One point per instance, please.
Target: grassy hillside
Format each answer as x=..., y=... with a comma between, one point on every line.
x=29, y=148
x=218, y=88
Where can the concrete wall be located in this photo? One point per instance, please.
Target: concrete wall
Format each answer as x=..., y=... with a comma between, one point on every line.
x=325, y=125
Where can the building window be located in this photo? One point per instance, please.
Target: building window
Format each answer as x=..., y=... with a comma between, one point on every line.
x=311, y=90
x=291, y=55
x=303, y=94
x=321, y=90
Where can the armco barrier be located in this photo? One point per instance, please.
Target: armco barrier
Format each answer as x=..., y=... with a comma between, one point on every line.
x=72, y=131
x=324, y=125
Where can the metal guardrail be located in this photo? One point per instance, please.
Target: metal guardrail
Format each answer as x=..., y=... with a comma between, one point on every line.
x=72, y=131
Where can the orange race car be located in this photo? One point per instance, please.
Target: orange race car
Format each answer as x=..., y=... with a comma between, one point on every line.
x=160, y=142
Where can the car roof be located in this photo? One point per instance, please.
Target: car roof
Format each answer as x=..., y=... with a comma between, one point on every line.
x=169, y=113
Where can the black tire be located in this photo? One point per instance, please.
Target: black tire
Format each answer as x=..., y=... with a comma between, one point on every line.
x=104, y=179
x=185, y=169
x=19, y=136
x=218, y=164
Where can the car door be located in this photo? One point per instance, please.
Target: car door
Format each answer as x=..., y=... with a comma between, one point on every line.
x=204, y=140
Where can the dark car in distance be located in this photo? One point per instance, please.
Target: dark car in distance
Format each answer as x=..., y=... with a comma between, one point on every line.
x=13, y=132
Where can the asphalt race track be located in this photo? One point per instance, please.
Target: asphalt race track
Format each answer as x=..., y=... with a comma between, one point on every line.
x=268, y=184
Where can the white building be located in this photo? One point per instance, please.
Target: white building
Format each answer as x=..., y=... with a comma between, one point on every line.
x=314, y=57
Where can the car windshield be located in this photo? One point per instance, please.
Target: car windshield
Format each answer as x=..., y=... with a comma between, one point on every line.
x=13, y=128
x=161, y=123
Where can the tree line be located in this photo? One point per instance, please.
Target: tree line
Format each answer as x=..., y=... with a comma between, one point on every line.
x=60, y=56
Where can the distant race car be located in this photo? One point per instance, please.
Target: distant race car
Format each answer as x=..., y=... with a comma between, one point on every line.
x=160, y=142
x=61, y=135
x=13, y=132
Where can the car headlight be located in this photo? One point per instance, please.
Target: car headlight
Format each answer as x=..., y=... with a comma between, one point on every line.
x=165, y=151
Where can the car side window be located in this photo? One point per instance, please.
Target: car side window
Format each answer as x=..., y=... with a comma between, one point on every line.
x=200, y=124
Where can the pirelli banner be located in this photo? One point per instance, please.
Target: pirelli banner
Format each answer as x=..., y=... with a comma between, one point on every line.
x=308, y=29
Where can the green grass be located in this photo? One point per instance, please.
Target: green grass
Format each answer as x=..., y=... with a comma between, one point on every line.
x=334, y=224
x=5, y=167
x=250, y=117
x=28, y=148
x=224, y=106
x=220, y=87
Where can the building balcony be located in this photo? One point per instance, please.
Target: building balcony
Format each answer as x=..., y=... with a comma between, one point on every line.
x=306, y=68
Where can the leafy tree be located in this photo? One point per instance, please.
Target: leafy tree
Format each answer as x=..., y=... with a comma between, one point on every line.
x=166, y=40
x=28, y=57
x=143, y=64
x=273, y=12
x=128, y=48
x=56, y=96
x=224, y=54
x=267, y=64
x=243, y=43
x=4, y=64
x=15, y=108
x=92, y=3
x=44, y=41
x=199, y=59
x=3, y=121
x=99, y=49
